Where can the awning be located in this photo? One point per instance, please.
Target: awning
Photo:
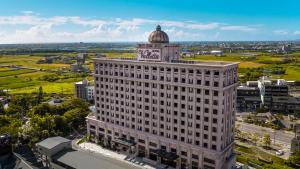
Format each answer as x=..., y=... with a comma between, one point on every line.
x=124, y=142
x=167, y=155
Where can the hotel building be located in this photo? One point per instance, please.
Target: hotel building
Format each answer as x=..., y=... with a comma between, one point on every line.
x=166, y=110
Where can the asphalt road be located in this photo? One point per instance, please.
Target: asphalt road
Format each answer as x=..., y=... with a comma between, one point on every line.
x=281, y=137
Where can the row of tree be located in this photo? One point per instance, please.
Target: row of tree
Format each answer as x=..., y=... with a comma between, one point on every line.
x=29, y=119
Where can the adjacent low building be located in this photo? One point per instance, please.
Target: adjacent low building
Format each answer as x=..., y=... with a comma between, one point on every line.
x=270, y=94
x=84, y=90
x=248, y=99
x=57, y=153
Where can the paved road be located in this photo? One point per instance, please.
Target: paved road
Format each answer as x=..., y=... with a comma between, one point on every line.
x=111, y=162
x=281, y=137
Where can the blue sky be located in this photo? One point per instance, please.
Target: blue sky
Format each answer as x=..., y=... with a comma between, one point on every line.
x=34, y=21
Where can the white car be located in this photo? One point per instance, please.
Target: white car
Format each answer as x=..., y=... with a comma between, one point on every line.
x=279, y=152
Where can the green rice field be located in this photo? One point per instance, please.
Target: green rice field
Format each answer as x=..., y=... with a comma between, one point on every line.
x=33, y=75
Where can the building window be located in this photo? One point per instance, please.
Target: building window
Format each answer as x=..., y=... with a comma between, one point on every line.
x=210, y=161
x=207, y=83
x=199, y=82
x=194, y=156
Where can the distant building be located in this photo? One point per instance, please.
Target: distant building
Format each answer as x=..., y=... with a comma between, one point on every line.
x=81, y=58
x=271, y=94
x=100, y=55
x=252, y=84
x=285, y=104
x=187, y=54
x=286, y=48
x=295, y=143
x=217, y=52
x=78, y=68
x=269, y=89
x=84, y=90
x=79, y=65
x=248, y=99
x=90, y=93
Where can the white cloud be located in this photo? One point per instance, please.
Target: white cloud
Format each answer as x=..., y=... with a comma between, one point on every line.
x=199, y=26
x=180, y=34
x=280, y=32
x=29, y=27
x=297, y=32
x=238, y=28
x=27, y=12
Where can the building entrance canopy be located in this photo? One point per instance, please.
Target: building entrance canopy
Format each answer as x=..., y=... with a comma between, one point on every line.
x=167, y=155
x=124, y=142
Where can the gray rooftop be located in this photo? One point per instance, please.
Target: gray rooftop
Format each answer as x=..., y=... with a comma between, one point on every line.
x=51, y=142
x=83, y=160
x=177, y=62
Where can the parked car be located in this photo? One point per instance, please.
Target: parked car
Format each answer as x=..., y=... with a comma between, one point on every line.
x=279, y=152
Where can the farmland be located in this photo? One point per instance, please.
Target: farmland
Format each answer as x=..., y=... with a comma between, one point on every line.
x=278, y=66
x=22, y=74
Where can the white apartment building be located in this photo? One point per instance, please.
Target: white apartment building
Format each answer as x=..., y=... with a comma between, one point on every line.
x=168, y=111
x=84, y=90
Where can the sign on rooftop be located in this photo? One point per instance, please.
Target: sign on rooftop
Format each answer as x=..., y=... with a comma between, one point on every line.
x=149, y=54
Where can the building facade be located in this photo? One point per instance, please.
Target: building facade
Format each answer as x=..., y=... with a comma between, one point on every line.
x=248, y=99
x=84, y=90
x=168, y=111
x=295, y=143
x=275, y=96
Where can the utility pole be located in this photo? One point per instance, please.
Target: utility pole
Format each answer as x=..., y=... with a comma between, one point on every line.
x=274, y=136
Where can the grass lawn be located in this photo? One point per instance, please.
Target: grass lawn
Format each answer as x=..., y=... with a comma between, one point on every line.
x=254, y=156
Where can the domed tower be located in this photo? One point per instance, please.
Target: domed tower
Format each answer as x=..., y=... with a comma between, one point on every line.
x=158, y=36
x=158, y=48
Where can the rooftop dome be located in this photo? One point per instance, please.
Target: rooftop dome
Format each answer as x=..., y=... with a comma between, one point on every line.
x=158, y=36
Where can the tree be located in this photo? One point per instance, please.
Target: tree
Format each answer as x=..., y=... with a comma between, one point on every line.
x=237, y=130
x=61, y=125
x=43, y=108
x=22, y=103
x=266, y=140
x=75, y=103
x=14, y=110
x=1, y=109
x=11, y=126
x=76, y=117
x=40, y=95
x=294, y=159
x=255, y=138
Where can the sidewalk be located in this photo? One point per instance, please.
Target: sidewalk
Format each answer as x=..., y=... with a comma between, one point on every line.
x=94, y=148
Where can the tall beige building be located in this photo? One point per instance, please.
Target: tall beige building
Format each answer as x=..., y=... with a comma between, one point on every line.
x=168, y=111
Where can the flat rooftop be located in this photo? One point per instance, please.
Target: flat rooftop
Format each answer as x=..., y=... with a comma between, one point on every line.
x=52, y=142
x=247, y=88
x=178, y=62
x=80, y=159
